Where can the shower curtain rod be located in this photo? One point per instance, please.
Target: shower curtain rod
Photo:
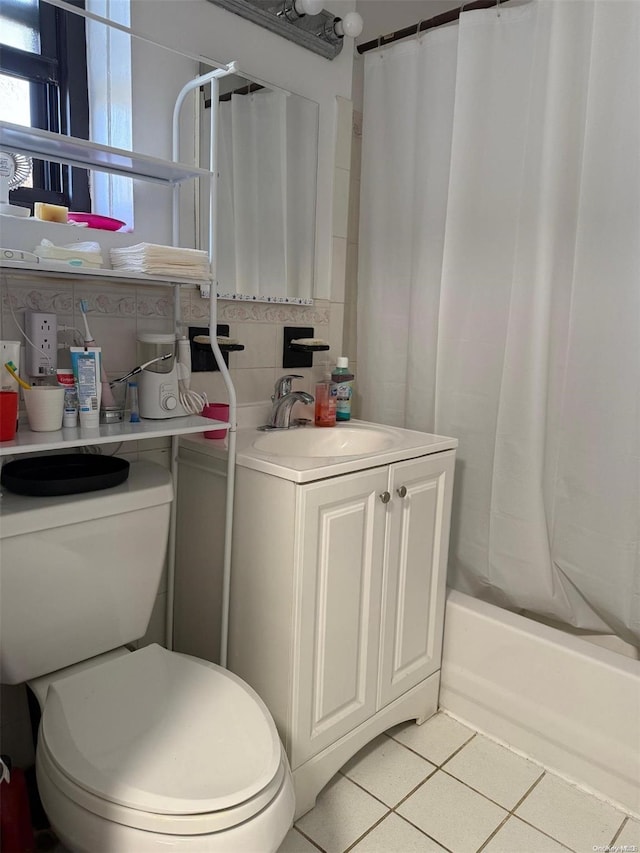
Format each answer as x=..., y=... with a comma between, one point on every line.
x=428, y=24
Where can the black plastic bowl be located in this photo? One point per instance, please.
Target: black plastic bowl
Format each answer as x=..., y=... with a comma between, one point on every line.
x=63, y=474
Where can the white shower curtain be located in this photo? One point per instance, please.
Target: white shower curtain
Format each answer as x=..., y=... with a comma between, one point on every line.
x=499, y=293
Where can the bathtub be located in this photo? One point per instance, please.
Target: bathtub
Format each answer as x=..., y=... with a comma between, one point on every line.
x=571, y=706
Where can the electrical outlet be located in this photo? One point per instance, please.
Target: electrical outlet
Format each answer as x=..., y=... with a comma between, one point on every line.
x=42, y=331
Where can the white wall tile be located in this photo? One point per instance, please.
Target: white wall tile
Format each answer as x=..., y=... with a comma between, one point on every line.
x=336, y=326
x=51, y=296
x=353, y=223
x=155, y=302
x=269, y=312
x=338, y=269
x=185, y=303
x=279, y=343
x=117, y=340
x=154, y=324
x=351, y=274
x=350, y=334
x=259, y=341
x=212, y=384
x=198, y=311
x=356, y=145
x=344, y=132
x=340, y=202
x=254, y=384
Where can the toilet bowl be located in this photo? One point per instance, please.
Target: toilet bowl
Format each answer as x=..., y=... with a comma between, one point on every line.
x=138, y=751
x=154, y=750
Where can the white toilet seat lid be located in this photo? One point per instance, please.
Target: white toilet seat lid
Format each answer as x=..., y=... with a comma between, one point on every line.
x=162, y=732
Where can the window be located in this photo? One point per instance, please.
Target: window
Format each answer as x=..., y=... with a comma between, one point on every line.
x=43, y=83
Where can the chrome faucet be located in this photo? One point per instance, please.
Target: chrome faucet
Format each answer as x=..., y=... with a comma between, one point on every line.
x=283, y=399
x=283, y=386
x=281, y=414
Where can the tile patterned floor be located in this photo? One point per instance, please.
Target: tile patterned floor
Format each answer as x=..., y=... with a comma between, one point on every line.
x=442, y=787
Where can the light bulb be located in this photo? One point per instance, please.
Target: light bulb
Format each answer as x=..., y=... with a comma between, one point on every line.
x=308, y=7
x=351, y=25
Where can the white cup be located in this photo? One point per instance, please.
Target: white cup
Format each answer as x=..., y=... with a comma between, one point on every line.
x=45, y=406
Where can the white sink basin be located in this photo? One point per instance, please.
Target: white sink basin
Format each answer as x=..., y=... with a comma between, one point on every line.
x=326, y=441
x=310, y=453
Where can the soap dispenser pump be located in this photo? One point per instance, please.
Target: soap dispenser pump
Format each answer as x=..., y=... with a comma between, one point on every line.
x=326, y=397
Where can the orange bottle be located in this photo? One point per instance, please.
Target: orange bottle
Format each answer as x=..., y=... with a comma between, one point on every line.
x=325, y=413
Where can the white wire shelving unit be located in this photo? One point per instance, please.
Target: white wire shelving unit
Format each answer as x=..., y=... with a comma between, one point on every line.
x=95, y=157
x=213, y=79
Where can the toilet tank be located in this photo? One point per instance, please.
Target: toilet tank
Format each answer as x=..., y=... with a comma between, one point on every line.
x=79, y=574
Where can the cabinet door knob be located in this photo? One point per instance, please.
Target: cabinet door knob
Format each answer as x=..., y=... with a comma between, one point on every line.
x=385, y=497
x=402, y=491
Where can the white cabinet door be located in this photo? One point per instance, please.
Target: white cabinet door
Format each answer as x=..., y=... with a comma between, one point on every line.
x=340, y=545
x=414, y=572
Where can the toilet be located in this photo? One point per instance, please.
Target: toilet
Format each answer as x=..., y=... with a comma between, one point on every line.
x=138, y=751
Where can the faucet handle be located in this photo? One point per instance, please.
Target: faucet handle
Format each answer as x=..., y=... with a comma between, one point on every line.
x=283, y=386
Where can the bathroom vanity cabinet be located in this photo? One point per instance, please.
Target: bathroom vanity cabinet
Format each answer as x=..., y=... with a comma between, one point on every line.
x=337, y=600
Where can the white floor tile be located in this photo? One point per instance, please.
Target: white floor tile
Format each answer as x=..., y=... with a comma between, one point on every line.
x=570, y=815
x=630, y=835
x=388, y=770
x=453, y=814
x=494, y=771
x=516, y=835
x=395, y=835
x=435, y=740
x=296, y=843
x=343, y=813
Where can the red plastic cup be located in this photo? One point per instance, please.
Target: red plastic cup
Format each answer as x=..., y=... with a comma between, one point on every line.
x=8, y=415
x=218, y=412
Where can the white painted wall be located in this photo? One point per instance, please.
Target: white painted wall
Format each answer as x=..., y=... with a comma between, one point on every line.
x=382, y=17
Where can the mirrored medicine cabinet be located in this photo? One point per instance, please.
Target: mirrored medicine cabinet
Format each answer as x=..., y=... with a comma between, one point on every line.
x=267, y=160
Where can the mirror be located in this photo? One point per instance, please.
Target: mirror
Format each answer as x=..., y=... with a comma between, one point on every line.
x=267, y=156
x=267, y=166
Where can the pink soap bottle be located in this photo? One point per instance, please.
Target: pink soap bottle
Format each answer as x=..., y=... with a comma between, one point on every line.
x=325, y=412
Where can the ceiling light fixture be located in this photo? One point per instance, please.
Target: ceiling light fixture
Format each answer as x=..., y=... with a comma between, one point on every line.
x=302, y=21
x=351, y=26
x=296, y=9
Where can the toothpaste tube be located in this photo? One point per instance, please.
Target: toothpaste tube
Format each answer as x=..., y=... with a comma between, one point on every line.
x=66, y=380
x=86, y=370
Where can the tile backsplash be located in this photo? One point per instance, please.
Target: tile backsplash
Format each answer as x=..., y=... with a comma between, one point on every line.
x=259, y=328
x=117, y=314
